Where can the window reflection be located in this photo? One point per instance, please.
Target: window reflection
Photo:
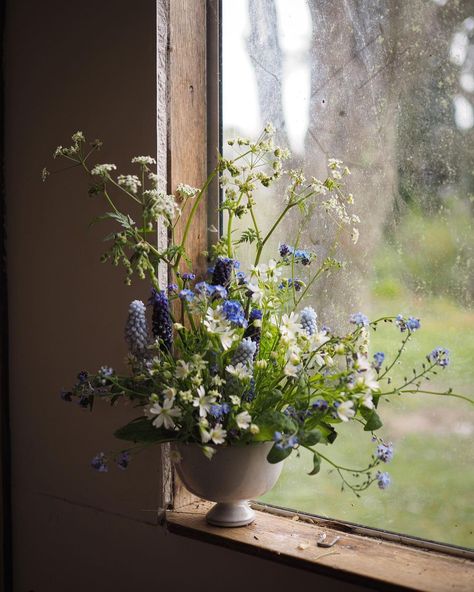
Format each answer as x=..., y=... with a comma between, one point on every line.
x=388, y=87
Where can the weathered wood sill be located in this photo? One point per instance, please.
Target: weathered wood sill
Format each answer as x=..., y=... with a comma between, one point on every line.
x=363, y=560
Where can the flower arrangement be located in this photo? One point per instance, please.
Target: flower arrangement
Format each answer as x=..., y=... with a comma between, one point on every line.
x=238, y=356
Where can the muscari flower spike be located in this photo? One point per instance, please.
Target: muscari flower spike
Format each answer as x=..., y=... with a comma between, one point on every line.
x=253, y=331
x=136, y=331
x=161, y=320
x=308, y=320
x=245, y=352
x=222, y=273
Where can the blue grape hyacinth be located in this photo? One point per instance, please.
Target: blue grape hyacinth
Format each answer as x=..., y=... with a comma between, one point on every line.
x=222, y=272
x=308, y=320
x=244, y=353
x=136, y=330
x=161, y=320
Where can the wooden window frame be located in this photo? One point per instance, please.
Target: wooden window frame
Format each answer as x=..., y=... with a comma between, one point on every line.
x=193, y=133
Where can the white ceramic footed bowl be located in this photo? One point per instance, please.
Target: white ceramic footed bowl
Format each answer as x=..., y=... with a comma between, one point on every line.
x=234, y=475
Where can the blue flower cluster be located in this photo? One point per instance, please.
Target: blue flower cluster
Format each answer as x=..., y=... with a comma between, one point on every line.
x=383, y=480
x=188, y=277
x=289, y=283
x=209, y=290
x=283, y=441
x=217, y=411
x=83, y=376
x=100, y=463
x=359, y=319
x=385, y=452
x=234, y=312
x=320, y=405
x=410, y=324
x=186, y=295
x=439, y=356
x=123, y=460
x=222, y=272
x=300, y=255
x=379, y=357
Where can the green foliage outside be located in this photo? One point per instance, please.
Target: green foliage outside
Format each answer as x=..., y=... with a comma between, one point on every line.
x=432, y=476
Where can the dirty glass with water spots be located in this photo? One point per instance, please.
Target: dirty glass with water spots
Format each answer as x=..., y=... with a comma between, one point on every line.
x=388, y=87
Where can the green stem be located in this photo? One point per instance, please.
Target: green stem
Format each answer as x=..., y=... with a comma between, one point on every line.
x=192, y=213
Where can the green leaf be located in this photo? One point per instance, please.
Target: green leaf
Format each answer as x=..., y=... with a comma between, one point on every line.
x=276, y=454
x=247, y=236
x=270, y=422
x=372, y=420
x=316, y=464
x=328, y=433
x=310, y=438
x=141, y=430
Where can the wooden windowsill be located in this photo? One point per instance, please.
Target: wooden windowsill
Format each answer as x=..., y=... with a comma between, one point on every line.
x=364, y=560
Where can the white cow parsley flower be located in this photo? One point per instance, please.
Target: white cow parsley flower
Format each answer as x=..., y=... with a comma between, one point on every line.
x=103, y=170
x=130, y=182
x=143, y=160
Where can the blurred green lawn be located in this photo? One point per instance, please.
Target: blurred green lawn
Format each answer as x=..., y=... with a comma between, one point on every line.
x=432, y=471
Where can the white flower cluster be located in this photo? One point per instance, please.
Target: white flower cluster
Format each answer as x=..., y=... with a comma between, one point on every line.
x=216, y=324
x=337, y=208
x=103, y=170
x=129, y=182
x=161, y=204
x=186, y=191
x=143, y=160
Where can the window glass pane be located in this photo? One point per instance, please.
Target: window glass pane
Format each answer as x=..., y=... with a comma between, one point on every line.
x=388, y=87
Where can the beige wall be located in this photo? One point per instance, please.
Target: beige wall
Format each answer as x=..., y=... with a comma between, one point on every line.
x=88, y=66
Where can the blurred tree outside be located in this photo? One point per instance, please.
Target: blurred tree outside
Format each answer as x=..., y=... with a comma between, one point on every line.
x=390, y=91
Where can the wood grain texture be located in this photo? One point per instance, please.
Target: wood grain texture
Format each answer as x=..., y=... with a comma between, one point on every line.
x=362, y=560
x=187, y=135
x=187, y=139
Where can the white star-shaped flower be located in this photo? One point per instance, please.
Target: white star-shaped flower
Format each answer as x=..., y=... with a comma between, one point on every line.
x=240, y=371
x=218, y=434
x=345, y=410
x=203, y=401
x=290, y=328
x=182, y=369
x=243, y=420
x=164, y=414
